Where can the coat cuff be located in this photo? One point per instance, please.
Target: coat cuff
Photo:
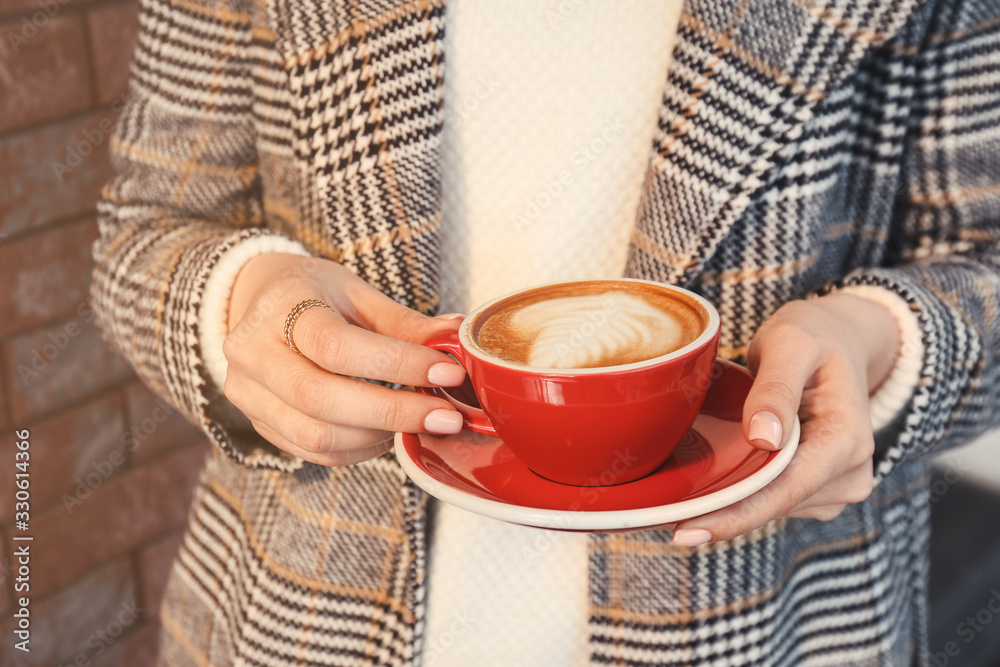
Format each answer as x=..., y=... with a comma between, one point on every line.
x=898, y=389
x=953, y=300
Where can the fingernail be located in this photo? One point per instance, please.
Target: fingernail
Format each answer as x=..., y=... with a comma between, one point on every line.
x=443, y=421
x=450, y=316
x=765, y=430
x=691, y=537
x=445, y=374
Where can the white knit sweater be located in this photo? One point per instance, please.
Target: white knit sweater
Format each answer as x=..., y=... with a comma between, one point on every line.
x=546, y=143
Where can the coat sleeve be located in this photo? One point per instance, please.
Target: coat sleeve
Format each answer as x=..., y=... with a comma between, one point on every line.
x=184, y=212
x=945, y=246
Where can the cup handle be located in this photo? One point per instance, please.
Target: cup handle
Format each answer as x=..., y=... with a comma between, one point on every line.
x=473, y=419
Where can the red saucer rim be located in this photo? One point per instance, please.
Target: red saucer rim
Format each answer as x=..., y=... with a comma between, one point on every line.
x=596, y=520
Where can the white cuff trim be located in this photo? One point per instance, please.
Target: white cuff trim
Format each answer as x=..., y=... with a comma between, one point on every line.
x=898, y=388
x=213, y=314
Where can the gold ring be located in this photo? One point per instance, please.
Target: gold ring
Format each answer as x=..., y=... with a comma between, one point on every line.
x=294, y=315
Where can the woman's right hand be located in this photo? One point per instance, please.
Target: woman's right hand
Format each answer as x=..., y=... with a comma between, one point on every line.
x=310, y=405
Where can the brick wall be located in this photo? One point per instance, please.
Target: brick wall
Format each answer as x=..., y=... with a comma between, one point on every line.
x=107, y=508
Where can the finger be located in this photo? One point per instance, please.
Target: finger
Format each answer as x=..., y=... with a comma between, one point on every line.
x=304, y=433
x=804, y=476
x=310, y=393
x=324, y=337
x=371, y=309
x=785, y=361
x=331, y=458
x=818, y=462
x=852, y=487
x=820, y=512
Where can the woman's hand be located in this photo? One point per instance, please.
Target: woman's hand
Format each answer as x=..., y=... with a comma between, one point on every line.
x=819, y=358
x=305, y=404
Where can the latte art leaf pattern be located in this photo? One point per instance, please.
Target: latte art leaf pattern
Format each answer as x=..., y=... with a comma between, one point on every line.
x=596, y=330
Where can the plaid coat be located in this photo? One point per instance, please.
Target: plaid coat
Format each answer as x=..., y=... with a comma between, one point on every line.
x=802, y=145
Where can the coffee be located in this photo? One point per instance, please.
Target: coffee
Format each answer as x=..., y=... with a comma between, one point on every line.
x=588, y=325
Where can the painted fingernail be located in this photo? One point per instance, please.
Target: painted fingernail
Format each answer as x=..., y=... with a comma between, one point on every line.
x=445, y=374
x=450, y=316
x=443, y=422
x=691, y=537
x=765, y=431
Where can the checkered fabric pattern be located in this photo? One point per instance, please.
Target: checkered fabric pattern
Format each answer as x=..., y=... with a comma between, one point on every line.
x=803, y=146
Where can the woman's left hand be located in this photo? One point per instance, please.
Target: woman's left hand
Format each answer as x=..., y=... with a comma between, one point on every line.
x=821, y=359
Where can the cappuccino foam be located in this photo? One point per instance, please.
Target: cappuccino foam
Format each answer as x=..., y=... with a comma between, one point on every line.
x=576, y=326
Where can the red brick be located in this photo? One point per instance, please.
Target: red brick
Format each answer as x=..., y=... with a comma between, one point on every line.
x=54, y=171
x=46, y=275
x=12, y=6
x=66, y=452
x=67, y=624
x=155, y=427
x=3, y=407
x=118, y=516
x=136, y=649
x=45, y=69
x=154, y=567
x=113, y=34
x=51, y=368
x=29, y=6
x=6, y=583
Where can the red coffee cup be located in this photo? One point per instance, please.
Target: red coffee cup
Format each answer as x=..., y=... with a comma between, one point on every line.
x=588, y=426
